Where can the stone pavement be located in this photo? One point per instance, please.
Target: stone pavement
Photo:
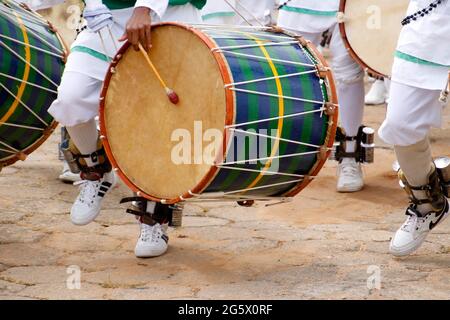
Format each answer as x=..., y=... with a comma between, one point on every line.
x=323, y=245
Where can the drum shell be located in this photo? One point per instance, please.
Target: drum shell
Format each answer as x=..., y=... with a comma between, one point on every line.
x=236, y=113
x=32, y=57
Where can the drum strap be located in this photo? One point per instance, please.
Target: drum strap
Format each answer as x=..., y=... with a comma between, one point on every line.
x=364, y=145
x=342, y=139
x=91, y=173
x=434, y=193
x=162, y=213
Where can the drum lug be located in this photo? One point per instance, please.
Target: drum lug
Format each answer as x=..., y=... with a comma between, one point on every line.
x=275, y=29
x=323, y=153
x=340, y=17
x=322, y=71
x=302, y=41
x=330, y=109
x=23, y=5
x=21, y=156
x=51, y=27
x=47, y=131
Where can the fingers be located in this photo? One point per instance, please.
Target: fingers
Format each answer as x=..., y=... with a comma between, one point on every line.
x=142, y=38
x=139, y=29
x=148, y=36
x=136, y=35
x=124, y=37
x=133, y=37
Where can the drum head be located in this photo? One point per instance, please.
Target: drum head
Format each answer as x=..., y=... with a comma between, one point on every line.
x=371, y=29
x=143, y=127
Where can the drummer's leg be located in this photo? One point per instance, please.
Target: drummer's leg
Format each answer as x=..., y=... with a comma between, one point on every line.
x=76, y=107
x=350, y=85
x=154, y=217
x=410, y=115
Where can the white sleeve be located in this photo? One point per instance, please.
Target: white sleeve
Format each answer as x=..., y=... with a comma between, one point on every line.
x=157, y=6
x=93, y=3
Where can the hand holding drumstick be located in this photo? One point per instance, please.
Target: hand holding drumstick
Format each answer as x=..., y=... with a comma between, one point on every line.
x=138, y=33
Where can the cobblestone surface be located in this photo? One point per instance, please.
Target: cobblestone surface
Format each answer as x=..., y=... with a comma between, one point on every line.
x=323, y=245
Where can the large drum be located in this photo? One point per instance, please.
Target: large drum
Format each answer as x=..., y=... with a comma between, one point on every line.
x=31, y=64
x=256, y=119
x=370, y=29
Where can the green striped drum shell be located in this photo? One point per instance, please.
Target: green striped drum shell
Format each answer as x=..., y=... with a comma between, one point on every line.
x=291, y=105
x=281, y=113
x=31, y=64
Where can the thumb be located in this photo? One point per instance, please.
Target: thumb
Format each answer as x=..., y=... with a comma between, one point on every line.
x=123, y=37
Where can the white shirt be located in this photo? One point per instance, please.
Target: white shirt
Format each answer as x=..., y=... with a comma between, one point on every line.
x=312, y=16
x=219, y=11
x=428, y=37
x=423, y=51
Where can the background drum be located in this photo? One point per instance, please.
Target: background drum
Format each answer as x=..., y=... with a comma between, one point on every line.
x=370, y=29
x=65, y=17
x=245, y=82
x=31, y=64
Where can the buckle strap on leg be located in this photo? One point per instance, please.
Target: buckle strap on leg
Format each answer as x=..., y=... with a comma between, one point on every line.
x=433, y=190
x=161, y=214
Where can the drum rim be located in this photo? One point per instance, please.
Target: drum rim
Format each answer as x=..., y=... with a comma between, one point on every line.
x=229, y=102
x=350, y=49
x=49, y=130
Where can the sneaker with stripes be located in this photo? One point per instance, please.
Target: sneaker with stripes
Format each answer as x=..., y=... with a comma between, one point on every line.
x=153, y=240
x=88, y=203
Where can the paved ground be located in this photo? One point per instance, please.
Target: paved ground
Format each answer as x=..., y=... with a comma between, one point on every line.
x=323, y=245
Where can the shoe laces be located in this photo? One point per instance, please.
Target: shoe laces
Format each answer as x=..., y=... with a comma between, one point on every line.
x=413, y=221
x=349, y=168
x=150, y=233
x=88, y=190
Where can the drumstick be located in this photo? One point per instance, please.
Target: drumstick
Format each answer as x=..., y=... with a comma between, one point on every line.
x=173, y=97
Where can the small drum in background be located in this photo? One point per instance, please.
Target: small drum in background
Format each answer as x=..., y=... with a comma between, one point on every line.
x=370, y=29
x=66, y=18
x=268, y=96
x=32, y=57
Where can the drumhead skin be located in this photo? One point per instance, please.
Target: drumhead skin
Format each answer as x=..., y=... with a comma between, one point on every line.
x=370, y=30
x=32, y=58
x=141, y=128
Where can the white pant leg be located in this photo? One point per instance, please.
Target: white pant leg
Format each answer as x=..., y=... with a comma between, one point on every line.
x=350, y=84
x=78, y=99
x=411, y=113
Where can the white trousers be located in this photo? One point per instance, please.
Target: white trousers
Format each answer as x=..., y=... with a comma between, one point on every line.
x=81, y=83
x=349, y=80
x=411, y=113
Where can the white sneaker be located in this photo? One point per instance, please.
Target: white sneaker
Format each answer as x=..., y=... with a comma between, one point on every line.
x=153, y=241
x=350, y=176
x=376, y=94
x=67, y=176
x=414, y=231
x=88, y=203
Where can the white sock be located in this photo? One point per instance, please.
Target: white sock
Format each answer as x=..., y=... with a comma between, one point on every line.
x=85, y=137
x=416, y=163
x=351, y=102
